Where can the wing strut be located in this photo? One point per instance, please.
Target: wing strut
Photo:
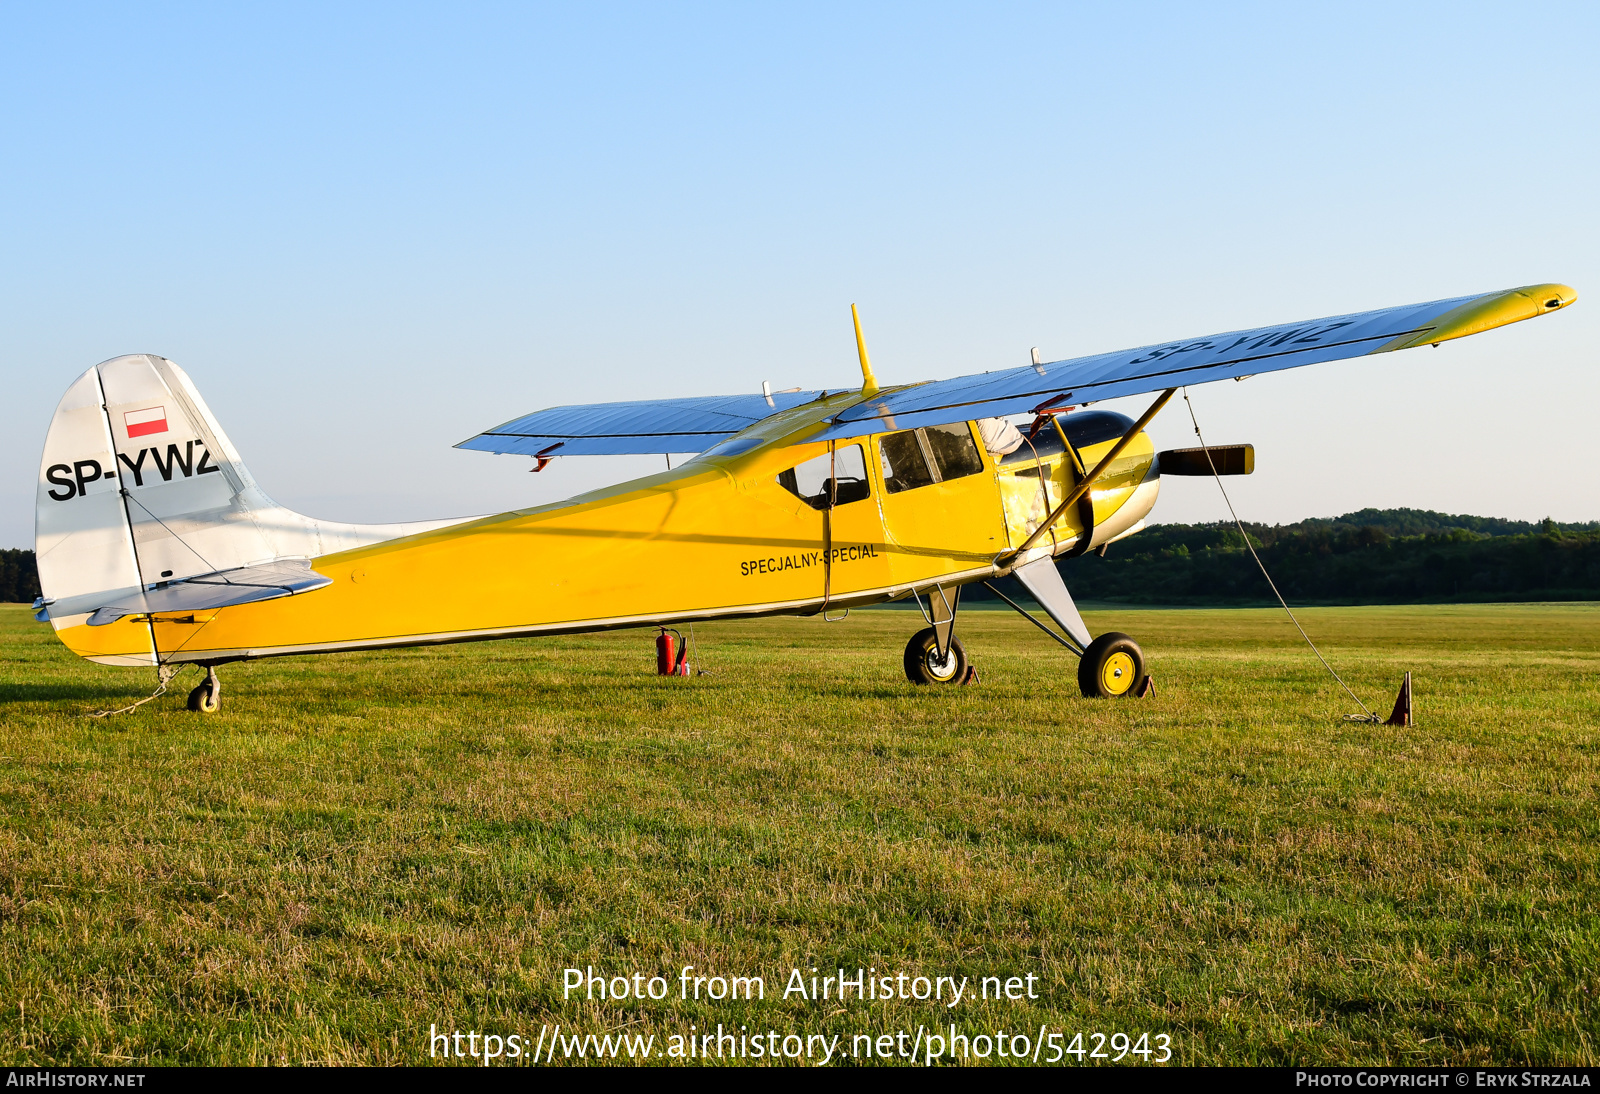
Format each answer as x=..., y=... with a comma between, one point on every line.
x=1089, y=480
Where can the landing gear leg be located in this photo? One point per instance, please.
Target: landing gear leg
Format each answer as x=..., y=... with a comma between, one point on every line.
x=207, y=698
x=935, y=655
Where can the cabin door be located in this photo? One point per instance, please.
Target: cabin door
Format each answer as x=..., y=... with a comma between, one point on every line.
x=941, y=505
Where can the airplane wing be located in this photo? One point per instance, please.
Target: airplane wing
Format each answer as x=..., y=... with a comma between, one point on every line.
x=696, y=424
x=1033, y=389
x=645, y=427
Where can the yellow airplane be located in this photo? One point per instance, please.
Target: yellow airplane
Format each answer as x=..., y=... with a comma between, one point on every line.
x=156, y=547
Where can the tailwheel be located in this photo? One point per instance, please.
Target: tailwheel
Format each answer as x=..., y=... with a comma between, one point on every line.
x=1112, y=667
x=925, y=666
x=207, y=698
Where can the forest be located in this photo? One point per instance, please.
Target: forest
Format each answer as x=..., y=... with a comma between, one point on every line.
x=1374, y=556
x=19, y=578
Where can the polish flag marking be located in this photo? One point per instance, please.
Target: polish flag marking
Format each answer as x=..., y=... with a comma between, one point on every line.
x=141, y=423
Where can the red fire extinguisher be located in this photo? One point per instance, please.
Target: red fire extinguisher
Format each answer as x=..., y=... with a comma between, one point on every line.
x=672, y=658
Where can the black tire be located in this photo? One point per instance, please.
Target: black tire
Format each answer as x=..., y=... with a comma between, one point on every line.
x=1112, y=667
x=922, y=660
x=202, y=700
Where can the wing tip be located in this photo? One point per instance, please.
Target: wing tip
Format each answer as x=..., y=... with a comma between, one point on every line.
x=1486, y=312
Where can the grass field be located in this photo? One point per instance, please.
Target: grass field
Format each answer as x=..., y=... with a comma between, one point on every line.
x=358, y=846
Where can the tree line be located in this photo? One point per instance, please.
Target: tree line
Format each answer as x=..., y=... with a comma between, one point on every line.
x=1374, y=556
x=19, y=577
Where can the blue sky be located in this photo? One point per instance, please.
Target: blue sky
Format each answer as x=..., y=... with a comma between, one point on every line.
x=368, y=232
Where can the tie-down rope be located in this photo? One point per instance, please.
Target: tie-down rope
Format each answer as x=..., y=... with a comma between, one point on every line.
x=164, y=675
x=1366, y=715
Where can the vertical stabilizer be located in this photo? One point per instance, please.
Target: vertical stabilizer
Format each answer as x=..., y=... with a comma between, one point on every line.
x=191, y=505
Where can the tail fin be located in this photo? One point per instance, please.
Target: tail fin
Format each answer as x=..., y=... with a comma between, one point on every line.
x=139, y=486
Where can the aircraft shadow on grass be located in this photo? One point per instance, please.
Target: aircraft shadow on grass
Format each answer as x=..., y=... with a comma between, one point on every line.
x=50, y=692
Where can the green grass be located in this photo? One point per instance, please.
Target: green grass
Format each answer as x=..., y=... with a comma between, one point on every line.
x=358, y=846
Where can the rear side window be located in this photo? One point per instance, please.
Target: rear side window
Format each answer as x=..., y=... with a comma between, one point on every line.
x=831, y=478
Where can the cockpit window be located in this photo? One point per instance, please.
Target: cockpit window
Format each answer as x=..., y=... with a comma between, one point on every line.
x=922, y=457
x=954, y=453
x=835, y=478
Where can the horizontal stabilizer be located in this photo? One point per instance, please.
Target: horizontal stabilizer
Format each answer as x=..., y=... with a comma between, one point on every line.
x=646, y=427
x=1226, y=459
x=225, y=589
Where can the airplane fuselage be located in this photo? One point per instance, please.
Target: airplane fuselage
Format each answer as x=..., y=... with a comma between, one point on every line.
x=765, y=523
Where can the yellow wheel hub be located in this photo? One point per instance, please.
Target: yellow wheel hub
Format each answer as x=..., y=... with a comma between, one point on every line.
x=1116, y=675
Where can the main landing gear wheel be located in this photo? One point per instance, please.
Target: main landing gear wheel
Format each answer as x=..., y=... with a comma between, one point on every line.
x=1112, y=667
x=924, y=665
x=207, y=698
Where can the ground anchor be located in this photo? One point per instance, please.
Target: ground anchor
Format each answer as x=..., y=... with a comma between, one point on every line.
x=1402, y=705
